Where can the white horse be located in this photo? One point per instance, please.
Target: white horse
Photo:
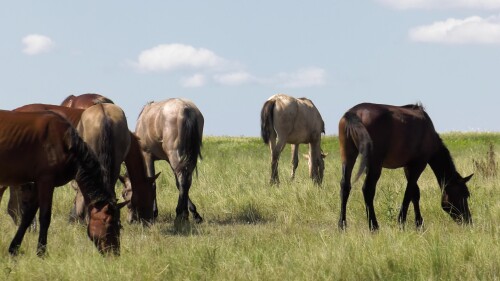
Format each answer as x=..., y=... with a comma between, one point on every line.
x=285, y=119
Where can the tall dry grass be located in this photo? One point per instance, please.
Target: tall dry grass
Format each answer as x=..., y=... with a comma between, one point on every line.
x=253, y=231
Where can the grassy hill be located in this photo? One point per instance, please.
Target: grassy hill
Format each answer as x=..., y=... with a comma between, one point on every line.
x=253, y=231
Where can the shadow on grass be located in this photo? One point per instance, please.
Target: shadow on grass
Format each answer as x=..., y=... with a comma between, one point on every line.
x=248, y=214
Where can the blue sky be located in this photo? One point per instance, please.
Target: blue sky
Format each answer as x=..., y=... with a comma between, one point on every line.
x=230, y=56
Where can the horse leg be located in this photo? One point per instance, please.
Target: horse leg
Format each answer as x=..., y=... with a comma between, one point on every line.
x=275, y=153
x=295, y=158
x=348, y=154
x=45, y=201
x=412, y=173
x=150, y=170
x=419, y=221
x=29, y=208
x=316, y=165
x=183, y=183
x=369, y=188
x=187, y=178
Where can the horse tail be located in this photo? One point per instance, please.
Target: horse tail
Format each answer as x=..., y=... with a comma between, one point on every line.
x=90, y=172
x=356, y=131
x=106, y=153
x=190, y=148
x=102, y=99
x=266, y=120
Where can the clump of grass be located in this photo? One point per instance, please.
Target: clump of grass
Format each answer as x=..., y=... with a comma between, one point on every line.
x=488, y=166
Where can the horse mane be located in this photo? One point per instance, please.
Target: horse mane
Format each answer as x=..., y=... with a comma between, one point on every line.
x=415, y=106
x=90, y=172
x=147, y=104
x=442, y=164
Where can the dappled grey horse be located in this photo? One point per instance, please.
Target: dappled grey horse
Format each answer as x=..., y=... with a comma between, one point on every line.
x=172, y=130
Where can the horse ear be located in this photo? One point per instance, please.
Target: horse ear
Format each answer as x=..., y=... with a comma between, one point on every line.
x=467, y=178
x=122, y=204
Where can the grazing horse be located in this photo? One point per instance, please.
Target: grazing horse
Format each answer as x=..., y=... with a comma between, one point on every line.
x=172, y=130
x=285, y=119
x=84, y=101
x=138, y=187
x=44, y=149
x=104, y=128
x=141, y=204
x=393, y=137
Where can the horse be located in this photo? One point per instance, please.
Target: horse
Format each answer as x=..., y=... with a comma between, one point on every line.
x=388, y=136
x=104, y=128
x=84, y=101
x=172, y=130
x=43, y=148
x=138, y=187
x=286, y=119
x=136, y=182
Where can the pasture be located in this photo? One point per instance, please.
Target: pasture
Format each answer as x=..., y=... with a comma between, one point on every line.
x=254, y=231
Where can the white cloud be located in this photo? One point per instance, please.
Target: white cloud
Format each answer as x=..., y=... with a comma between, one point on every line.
x=443, y=4
x=195, y=81
x=305, y=77
x=234, y=78
x=472, y=30
x=169, y=57
x=35, y=44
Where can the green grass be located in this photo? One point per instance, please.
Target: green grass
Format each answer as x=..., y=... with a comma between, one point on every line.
x=253, y=231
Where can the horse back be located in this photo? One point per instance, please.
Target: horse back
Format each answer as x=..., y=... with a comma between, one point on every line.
x=35, y=145
x=400, y=134
x=298, y=120
x=72, y=114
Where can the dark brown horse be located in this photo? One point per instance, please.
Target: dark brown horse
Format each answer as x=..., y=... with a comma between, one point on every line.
x=285, y=119
x=84, y=101
x=44, y=149
x=393, y=137
x=172, y=130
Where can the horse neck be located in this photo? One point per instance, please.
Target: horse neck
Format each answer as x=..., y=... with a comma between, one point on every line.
x=442, y=165
x=89, y=175
x=134, y=162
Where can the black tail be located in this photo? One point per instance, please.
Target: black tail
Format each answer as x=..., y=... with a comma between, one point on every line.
x=266, y=120
x=192, y=141
x=361, y=138
x=106, y=153
x=90, y=172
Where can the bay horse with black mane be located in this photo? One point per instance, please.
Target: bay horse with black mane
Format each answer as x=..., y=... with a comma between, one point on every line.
x=285, y=119
x=44, y=148
x=172, y=130
x=391, y=137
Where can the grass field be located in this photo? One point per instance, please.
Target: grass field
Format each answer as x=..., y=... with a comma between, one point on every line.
x=253, y=231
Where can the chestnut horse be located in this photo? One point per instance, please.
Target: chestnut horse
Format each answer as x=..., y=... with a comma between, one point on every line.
x=172, y=130
x=285, y=119
x=393, y=137
x=44, y=149
x=84, y=101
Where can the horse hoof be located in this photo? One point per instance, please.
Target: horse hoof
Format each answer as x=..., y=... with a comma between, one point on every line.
x=198, y=219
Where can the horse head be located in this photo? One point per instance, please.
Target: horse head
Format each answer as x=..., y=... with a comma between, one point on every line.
x=138, y=211
x=454, y=200
x=104, y=226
